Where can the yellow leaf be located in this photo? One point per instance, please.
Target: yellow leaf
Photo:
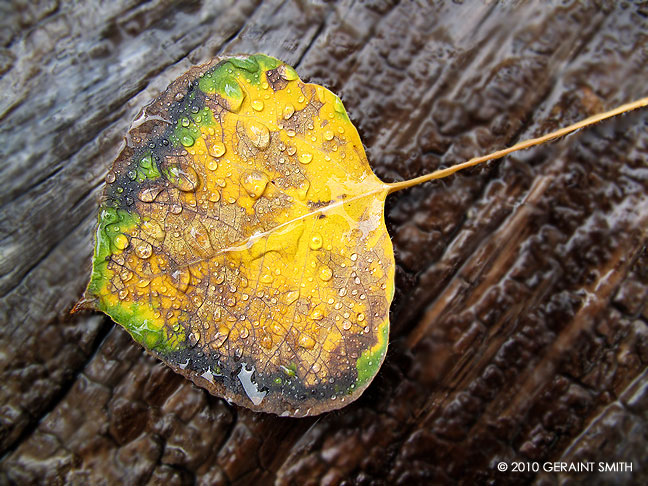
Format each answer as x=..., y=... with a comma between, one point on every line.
x=257, y=256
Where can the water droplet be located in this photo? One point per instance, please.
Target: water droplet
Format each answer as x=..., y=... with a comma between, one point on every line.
x=214, y=196
x=346, y=325
x=266, y=341
x=245, y=332
x=183, y=177
x=342, y=292
x=175, y=208
x=123, y=294
x=197, y=236
x=361, y=317
x=325, y=274
x=291, y=150
x=266, y=278
x=121, y=242
x=217, y=149
x=149, y=194
x=185, y=121
x=316, y=315
x=354, y=256
x=292, y=297
x=153, y=229
x=258, y=134
x=305, y=158
x=143, y=249
x=257, y=105
x=316, y=242
x=306, y=341
x=110, y=177
x=187, y=140
x=254, y=183
x=221, y=337
x=288, y=111
x=212, y=164
x=328, y=135
x=180, y=279
x=302, y=192
x=194, y=338
x=290, y=133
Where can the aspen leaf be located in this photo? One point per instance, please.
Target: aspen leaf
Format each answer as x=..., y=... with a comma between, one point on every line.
x=241, y=237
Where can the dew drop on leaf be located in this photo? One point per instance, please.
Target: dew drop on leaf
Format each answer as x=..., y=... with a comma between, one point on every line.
x=121, y=242
x=217, y=149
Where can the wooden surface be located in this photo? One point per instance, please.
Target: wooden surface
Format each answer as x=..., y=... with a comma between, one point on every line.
x=519, y=327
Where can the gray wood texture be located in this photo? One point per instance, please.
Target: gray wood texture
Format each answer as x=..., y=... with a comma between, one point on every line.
x=519, y=327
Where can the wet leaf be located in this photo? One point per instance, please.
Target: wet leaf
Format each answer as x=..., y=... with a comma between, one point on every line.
x=241, y=239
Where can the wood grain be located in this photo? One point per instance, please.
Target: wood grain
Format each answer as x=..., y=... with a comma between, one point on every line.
x=519, y=329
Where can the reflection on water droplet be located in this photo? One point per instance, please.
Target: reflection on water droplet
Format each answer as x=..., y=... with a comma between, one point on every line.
x=216, y=149
x=153, y=229
x=288, y=111
x=306, y=341
x=121, y=242
x=305, y=158
x=258, y=133
x=266, y=341
x=182, y=177
x=180, y=279
x=257, y=105
x=325, y=273
x=254, y=183
x=251, y=389
x=316, y=242
x=221, y=337
x=302, y=192
x=194, y=338
x=292, y=297
x=143, y=249
x=149, y=194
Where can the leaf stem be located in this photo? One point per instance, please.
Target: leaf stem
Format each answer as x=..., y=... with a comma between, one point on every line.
x=438, y=174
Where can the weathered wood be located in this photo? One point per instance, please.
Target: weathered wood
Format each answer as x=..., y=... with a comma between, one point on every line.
x=519, y=330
